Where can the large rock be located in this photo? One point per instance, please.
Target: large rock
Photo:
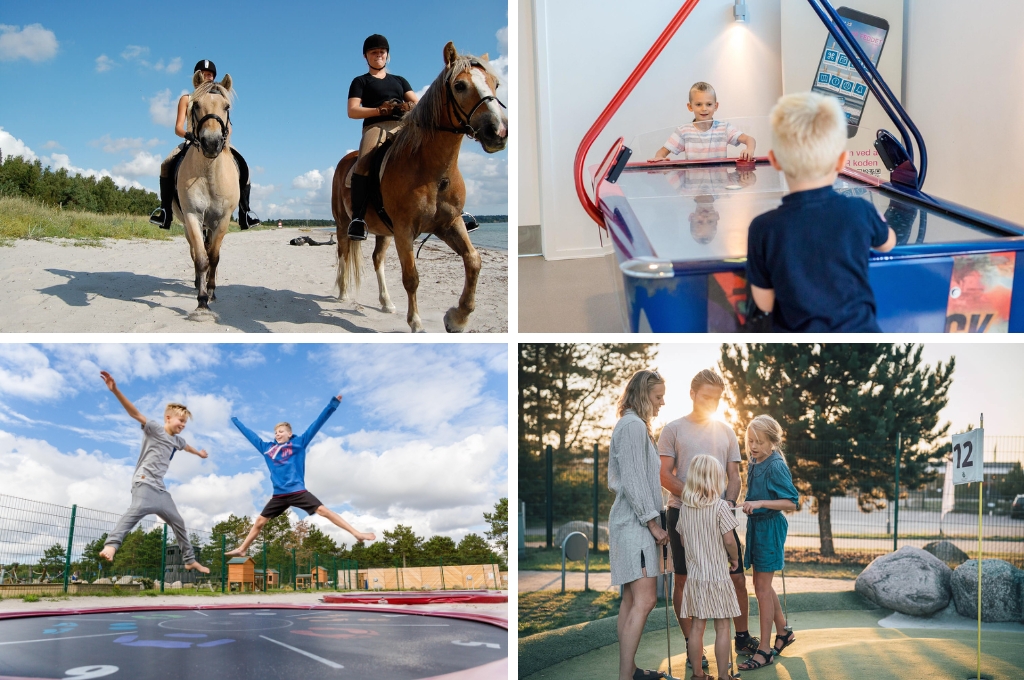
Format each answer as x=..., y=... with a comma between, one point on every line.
x=947, y=552
x=103, y=581
x=1000, y=590
x=584, y=527
x=910, y=581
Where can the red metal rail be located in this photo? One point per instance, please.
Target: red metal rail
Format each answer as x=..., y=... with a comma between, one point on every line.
x=616, y=102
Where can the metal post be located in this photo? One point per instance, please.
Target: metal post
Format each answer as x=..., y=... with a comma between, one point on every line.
x=67, y=556
x=223, y=568
x=549, y=492
x=334, y=565
x=316, y=569
x=981, y=461
x=398, y=578
x=896, y=496
x=266, y=575
x=294, y=573
x=163, y=559
x=441, y=561
x=595, y=496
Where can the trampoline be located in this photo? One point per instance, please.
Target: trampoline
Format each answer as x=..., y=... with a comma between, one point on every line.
x=420, y=597
x=679, y=229
x=234, y=642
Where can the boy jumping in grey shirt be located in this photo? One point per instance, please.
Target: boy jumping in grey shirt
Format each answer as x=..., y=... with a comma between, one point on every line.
x=149, y=496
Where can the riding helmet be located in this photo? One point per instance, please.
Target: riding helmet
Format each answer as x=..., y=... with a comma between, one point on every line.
x=205, y=65
x=375, y=42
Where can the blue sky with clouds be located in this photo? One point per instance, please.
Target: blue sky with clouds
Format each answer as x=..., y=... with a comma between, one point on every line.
x=421, y=437
x=97, y=85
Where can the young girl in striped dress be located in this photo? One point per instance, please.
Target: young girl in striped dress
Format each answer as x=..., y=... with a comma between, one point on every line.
x=770, y=490
x=705, y=527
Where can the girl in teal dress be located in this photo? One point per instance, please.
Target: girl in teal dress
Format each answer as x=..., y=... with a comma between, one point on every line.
x=770, y=491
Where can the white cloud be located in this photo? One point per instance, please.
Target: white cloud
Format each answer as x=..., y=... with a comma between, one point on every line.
x=162, y=110
x=81, y=364
x=124, y=143
x=433, y=477
x=62, y=161
x=204, y=500
x=174, y=65
x=248, y=357
x=104, y=63
x=51, y=144
x=311, y=180
x=134, y=52
x=486, y=177
x=143, y=164
x=12, y=146
x=33, y=42
x=25, y=372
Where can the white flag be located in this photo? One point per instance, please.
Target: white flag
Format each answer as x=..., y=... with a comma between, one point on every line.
x=948, y=501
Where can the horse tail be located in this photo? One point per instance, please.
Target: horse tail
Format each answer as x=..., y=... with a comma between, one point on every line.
x=350, y=271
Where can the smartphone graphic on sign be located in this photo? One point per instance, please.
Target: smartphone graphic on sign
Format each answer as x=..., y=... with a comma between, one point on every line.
x=836, y=74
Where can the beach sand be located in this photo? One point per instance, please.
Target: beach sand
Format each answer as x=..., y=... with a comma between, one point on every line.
x=263, y=285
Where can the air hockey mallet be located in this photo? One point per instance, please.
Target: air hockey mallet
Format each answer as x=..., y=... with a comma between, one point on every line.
x=668, y=603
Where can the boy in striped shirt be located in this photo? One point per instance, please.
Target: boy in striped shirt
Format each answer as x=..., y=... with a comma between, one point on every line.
x=705, y=137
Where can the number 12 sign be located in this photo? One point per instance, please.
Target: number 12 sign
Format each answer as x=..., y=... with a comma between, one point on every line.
x=967, y=456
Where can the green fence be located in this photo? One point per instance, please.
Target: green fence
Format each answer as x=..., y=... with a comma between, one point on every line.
x=567, y=491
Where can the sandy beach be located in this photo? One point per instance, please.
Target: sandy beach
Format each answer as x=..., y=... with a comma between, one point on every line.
x=263, y=285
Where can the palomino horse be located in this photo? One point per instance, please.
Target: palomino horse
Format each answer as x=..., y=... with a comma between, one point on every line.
x=422, y=187
x=207, y=182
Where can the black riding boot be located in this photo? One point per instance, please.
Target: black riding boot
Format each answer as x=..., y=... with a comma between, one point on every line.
x=162, y=216
x=246, y=217
x=357, y=227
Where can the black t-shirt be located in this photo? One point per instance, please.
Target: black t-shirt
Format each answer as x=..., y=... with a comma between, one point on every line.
x=372, y=92
x=813, y=251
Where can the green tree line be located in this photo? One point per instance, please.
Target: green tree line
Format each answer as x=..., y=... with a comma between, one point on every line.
x=29, y=179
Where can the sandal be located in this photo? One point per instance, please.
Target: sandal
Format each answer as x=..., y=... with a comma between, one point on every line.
x=748, y=645
x=703, y=661
x=641, y=674
x=752, y=663
x=787, y=640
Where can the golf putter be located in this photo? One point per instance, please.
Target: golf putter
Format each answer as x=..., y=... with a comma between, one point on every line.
x=668, y=603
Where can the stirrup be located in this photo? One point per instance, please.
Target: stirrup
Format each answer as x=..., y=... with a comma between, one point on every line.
x=470, y=222
x=160, y=218
x=249, y=219
x=357, y=230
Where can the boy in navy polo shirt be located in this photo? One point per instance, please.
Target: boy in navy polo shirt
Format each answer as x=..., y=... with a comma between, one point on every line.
x=807, y=260
x=286, y=458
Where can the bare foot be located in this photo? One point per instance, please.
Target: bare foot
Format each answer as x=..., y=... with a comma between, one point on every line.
x=366, y=537
x=198, y=567
x=108, y=553
x=237, y=552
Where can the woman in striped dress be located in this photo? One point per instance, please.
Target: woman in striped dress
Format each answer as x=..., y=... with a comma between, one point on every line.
x=705, y=527
x=634, y=526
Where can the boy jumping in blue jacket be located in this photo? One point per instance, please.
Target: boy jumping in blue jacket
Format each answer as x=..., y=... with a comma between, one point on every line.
x=286, y=458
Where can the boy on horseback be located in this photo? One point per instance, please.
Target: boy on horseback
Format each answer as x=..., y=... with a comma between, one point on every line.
x=162, y=216
x=286, y=458
x=149, y=496
x=379, y=99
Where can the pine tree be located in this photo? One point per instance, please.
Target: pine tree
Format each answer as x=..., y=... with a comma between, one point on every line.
x=842, y=407
x=499, y=525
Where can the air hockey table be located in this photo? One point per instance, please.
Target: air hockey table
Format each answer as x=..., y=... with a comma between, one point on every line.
x=679, y=232
x=679, y=229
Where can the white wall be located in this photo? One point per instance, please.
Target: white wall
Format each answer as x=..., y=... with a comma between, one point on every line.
x=585, y=49
x=965, y=91
x=529, y=186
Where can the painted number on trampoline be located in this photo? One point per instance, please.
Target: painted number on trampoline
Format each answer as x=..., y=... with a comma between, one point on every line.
x=85, y=672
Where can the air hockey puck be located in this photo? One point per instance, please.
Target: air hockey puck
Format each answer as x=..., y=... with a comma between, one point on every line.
x=745, y=165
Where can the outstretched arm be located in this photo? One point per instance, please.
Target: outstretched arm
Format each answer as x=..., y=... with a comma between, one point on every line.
x=308, y=435
x=201, y=452
x=253, y=438
x=128, y=406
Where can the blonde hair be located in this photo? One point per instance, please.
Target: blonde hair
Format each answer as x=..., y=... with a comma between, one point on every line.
x=808, y=134
x=701, y=86
x=705, y=482
x=706, y=377
x=637, y=397
x=288, y=425
x=767, y=427
x=178, y=410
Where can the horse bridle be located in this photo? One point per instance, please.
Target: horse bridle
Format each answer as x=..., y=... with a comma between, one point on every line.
x=461, y=116
x=198, y=122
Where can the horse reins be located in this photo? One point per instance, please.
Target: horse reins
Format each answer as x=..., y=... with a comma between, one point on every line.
x=461, y=116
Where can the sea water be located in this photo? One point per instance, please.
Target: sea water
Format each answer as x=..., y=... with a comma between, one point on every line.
x=491, y=235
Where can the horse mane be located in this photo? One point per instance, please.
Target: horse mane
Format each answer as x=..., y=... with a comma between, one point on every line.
x=425, y=117
x=205, y=88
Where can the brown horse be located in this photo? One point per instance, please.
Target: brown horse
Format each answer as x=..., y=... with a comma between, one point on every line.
x=207, y=182
x=422, y=188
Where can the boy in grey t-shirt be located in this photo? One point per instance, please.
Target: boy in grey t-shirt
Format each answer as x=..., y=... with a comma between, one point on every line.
x=149, y=495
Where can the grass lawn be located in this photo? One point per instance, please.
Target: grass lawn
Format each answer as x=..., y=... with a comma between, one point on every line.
x=24, y=219
x=547, y=610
